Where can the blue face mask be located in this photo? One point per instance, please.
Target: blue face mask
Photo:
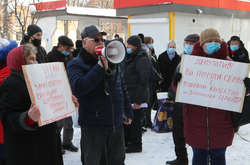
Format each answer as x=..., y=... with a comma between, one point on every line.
x=188, y=49
x=212, y=47
x=234, y=47
x=65, y=53
x=171, y=50
x=129, y=51
x=150, y=46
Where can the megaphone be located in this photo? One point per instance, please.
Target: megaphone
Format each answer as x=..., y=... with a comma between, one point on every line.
x=115, y=51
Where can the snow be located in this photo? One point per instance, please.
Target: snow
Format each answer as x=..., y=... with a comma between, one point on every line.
x=159, y=147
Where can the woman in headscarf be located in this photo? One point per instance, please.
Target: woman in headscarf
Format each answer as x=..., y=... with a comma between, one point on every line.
x=168, y=62
x=26, y=143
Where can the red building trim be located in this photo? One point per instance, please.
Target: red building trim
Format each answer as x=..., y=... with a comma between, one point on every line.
x=53, y=5
x=242, y=5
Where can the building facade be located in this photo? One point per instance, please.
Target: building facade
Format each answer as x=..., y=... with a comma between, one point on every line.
x=174, y=19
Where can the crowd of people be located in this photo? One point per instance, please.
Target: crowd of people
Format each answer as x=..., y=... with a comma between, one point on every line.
x=114, y=100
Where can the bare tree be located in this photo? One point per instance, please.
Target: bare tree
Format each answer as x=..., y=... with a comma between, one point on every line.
x=77, y=3
x=4, y=19
x=20, y=9
x=107, y=4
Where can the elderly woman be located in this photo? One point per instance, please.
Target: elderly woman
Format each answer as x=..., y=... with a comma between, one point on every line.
x=26, y=143
x=209, y=131
x=168, y=62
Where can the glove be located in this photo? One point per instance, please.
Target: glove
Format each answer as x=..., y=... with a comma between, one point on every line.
x=247, y=82
x=178, y=77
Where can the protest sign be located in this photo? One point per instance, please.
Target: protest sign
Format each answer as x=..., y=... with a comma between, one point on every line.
x=212, y=83
x=49, y=88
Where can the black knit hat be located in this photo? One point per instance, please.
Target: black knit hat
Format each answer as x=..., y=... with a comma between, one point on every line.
x=192, y=38
x=142, y=37
x=235, y=38
x=135, y=41
x=33, y=29
x=64, y=40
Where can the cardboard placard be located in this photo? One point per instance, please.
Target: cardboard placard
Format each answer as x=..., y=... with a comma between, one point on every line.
x=49, y=88
x=212, y=83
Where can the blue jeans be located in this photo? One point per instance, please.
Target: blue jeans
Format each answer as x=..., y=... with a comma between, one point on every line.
x=217, y=156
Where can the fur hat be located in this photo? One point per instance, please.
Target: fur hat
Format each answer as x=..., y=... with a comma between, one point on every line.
x=209, y=34
x=64, y=40
x=135, y=41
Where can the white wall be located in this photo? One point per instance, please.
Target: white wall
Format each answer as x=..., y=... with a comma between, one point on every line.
x=48, y=25
x=184, y=25
x=155, y=26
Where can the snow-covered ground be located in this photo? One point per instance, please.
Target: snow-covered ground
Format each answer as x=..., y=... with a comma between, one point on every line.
x=159, y=147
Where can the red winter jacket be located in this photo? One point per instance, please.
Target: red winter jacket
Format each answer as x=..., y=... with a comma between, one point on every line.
x=4, y=72
x=219, y=132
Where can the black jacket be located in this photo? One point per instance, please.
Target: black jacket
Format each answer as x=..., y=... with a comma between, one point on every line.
x=25, y=144
x=167, y=68
x=137, y=76
x=56, y=56
x=241, y=55
x=41, y=55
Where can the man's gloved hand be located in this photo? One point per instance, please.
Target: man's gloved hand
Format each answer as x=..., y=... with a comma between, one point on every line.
x=247, y=82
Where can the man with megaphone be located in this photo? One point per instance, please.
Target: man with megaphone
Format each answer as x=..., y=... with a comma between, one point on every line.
x=103, y=98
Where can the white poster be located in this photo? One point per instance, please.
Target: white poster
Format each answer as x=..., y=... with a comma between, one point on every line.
x=212, y=83
x=49, y=88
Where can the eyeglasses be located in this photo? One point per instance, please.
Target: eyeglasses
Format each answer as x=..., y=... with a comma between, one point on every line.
x=96, y=40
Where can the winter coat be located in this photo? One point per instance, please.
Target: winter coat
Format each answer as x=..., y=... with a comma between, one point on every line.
x=97, y=109
x=167, y=69
x=56, y=56
x=240, y=55
x=41, y=55
x=137, y=75
x=4, y=73
x=154, y=81
x=208, y=128
x=24, y=144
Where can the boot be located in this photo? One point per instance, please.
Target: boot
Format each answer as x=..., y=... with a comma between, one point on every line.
x=62, y=151
x=70, y=147
x=134, y=148
x=177, y=162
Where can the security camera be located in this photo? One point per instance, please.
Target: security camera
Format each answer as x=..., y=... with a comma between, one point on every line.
x=199, y=11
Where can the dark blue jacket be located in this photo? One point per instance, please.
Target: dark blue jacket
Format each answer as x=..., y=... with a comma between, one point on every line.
x=87, y=82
